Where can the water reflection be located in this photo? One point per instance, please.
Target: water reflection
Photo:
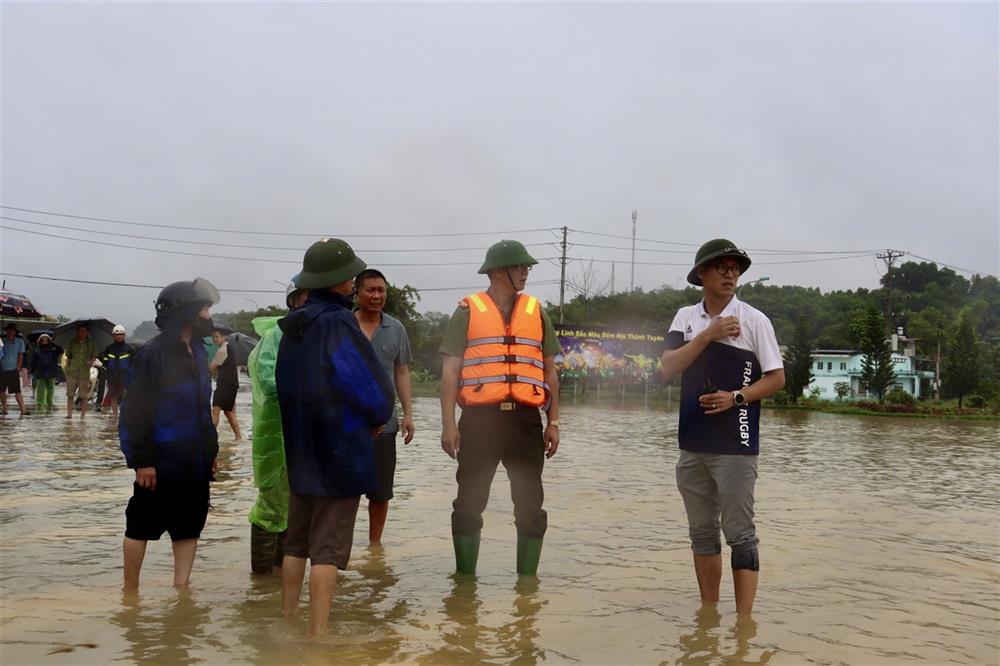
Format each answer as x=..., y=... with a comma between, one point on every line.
x=705, y=644
x=166, y=632
x=519, y=637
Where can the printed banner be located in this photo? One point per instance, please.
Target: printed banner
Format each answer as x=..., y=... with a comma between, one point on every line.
x=606, y=353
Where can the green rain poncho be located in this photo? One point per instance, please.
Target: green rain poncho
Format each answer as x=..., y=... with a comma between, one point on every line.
x=270, y=511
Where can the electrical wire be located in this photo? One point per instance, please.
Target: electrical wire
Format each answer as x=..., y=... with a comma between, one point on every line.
x=271, y=233
x=216, y=256
x=235, y=291
x=239, y=245
x=952, y=266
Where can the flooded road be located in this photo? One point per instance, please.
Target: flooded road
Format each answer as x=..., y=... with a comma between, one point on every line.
x=880, y=541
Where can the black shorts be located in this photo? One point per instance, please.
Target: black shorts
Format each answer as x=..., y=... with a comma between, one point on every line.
x=385, y=467
x=179, y=508
x=225, y=397
x=10, y=381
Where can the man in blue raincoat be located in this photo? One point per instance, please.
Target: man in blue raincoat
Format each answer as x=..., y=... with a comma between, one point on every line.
x=166, y=431
x=334, y=396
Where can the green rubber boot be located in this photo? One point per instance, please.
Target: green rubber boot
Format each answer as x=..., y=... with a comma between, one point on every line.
x=529, y=551
x=466, y=552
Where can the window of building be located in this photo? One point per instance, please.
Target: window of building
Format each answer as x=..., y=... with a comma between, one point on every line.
x=829, y=365
x=819, y=365
x=843, y=366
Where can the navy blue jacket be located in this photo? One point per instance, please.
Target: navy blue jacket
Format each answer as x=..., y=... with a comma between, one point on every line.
x=45, y=361
x=332, y=392
x=116, y=358
x=166, y=418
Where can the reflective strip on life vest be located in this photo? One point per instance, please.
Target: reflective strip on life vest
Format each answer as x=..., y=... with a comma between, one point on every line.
x=503, y=379
x=478, y=302
x=502, y=340
x=503, y=359
x=530, y=307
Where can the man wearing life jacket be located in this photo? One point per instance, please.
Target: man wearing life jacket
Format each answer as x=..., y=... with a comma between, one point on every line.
x=499, y=366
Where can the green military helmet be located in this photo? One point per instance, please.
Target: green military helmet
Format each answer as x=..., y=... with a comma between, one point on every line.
x=506, y=254
x=328, y=263
x=716, y=249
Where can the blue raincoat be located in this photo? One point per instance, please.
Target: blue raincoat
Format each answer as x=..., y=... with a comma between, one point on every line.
x=166, y=418
x=332, y=392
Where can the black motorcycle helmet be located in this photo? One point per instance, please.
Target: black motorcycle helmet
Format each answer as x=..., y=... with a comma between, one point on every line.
x=184, y=300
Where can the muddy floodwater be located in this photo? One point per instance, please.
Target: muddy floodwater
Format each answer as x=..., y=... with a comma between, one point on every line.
x=880, y=541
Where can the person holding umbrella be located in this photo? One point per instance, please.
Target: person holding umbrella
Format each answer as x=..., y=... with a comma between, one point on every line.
x=80, y=356
x=11, y=362
x=166, y=431
x=227, y=381
x=45, y=369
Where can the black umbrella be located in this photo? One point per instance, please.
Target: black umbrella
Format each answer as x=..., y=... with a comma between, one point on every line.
x=100, y=332
x=37, y=333
x=16, y=305
x=225, y=329
x=240, y=346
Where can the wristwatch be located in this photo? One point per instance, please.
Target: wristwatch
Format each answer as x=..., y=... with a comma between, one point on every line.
x=554, y=422
x=738, y=398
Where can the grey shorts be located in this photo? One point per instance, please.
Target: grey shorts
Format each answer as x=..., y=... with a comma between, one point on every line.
x=718, y=494
x=321, y=528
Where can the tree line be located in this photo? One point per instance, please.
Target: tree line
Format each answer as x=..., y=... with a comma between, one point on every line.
x=944, y=310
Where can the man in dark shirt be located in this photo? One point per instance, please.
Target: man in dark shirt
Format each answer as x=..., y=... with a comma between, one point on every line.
x=334, y=397
x=227, y=383
x=166, y=431
x=730, y=361
x=116, y=359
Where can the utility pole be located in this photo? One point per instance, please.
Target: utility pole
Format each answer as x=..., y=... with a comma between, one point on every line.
x=889, y=257
x=612, y=278
x=562, y=275
x=635, y=216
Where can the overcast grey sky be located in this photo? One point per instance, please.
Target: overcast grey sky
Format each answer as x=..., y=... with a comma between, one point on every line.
x=818, y=127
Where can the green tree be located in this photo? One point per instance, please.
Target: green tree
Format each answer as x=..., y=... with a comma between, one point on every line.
x=798, y=360
x=877, y=373
x=961, y=368
x=843, y=390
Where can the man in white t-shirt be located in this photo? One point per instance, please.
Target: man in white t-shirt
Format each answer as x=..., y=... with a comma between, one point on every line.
x=730, y=361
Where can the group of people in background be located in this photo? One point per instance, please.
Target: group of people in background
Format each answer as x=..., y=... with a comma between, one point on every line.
x=42, y=363
x=327, y=376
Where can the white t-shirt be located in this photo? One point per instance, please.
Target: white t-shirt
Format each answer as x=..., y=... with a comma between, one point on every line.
x=756, y=331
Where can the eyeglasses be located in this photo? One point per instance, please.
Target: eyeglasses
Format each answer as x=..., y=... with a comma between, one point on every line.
x=728, y=269
x=524, y=267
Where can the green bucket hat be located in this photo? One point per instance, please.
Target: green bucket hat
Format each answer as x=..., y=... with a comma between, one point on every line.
x=327, y=263
x=504, y=254
x=716, y=249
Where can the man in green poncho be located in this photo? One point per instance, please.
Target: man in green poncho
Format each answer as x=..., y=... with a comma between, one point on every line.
x=269, y=515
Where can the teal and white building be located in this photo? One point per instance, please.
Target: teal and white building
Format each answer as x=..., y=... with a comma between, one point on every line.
x=914, y=374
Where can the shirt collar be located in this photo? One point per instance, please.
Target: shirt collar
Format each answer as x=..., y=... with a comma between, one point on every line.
x=728, y=311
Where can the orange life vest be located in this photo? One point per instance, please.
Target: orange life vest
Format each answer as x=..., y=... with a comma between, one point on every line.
x=503, y=362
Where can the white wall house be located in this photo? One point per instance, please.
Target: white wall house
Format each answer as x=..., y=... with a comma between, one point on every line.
x=832, y=366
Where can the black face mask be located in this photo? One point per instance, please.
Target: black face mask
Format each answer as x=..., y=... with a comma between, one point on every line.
x=203, y=327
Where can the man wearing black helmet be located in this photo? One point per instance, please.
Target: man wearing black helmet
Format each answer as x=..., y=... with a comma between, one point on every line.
x=334, y=396
x=166, y=431
x=730, y=361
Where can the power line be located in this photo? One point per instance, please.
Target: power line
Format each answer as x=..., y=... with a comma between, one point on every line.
x=957, y=268
x=271, y=233
x=756, y=263
x=216, y=256
x=238, y=245
x=236, y=291
x=695, y=245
